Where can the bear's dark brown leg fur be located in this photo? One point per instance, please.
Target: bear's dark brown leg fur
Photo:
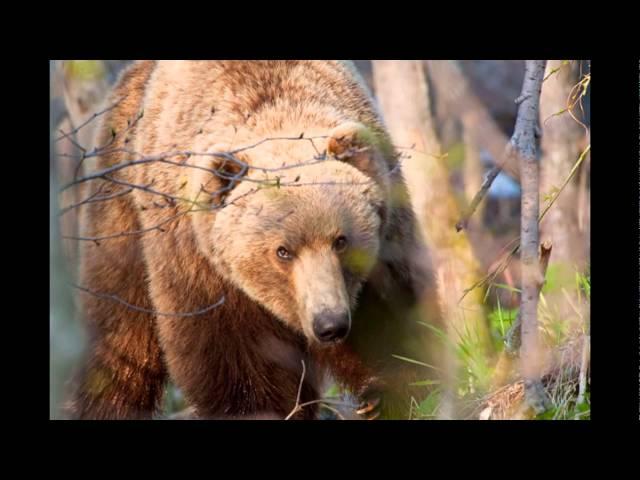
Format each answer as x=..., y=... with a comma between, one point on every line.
x=118, y=382
x=123, y=375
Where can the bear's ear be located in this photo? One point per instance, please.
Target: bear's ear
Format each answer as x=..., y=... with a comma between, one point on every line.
x=353, y=143
x=218, y=172
x=229, y=165
x=347, y=139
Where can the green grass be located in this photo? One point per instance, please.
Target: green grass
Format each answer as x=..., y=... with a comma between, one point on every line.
x=565, y=290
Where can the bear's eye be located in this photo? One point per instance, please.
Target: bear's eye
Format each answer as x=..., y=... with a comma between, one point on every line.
x=340, y=243
x=283, y=253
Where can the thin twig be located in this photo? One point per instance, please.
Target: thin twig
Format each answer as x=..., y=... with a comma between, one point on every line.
x=89, y=120
x=130, y=233
x=93, y=199
x=484, y=188
x=297, y=407
x=117, y=299
x=74, y=143
x=323, y=401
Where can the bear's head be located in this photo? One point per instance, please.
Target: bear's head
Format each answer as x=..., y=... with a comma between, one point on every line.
x=301, y=240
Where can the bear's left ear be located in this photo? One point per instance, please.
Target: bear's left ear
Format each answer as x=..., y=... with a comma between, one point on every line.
x=352, y=142
x=216, y=173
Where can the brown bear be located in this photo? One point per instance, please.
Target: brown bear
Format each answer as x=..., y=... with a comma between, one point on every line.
x=257, y=227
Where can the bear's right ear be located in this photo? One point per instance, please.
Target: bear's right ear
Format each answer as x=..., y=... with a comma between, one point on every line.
x=217, y=173
x=346, y=139
x=353, y=143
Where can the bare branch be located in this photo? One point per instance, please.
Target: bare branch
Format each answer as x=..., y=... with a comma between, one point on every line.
x=130, y=233
x=93, y=198
x=74, y=143
x=117, y=299
x=297, y=407
x=484, y=188
x=322, y=401
x=89, y=120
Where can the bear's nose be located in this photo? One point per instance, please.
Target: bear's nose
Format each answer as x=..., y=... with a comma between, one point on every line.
x=331, y=326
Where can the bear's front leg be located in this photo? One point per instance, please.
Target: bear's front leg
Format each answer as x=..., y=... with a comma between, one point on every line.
x=228, y=370
x=234, y=361
x=348, y=368
x=122, y=376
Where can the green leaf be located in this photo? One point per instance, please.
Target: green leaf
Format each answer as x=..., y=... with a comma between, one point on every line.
x=87, y=70
x=455, y=157
x=547, y=415
x=507, y=287
x=425, y=383
x=333, y=391
x=416, y=362
x=429, y=406
x=440, y=333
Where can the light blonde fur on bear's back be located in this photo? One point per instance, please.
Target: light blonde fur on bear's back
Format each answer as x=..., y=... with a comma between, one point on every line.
x=200, y=103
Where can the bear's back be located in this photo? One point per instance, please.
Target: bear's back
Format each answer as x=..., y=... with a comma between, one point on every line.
x=190, y=105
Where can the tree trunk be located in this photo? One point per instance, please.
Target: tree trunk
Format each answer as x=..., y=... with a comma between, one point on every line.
x=403, y=95
x=561, y=147
x=525, y=143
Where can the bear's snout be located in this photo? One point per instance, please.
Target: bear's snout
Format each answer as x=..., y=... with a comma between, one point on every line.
x=330, y=326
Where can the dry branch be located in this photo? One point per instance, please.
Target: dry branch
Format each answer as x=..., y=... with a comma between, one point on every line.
x=137, y=308
x=325, y=402
x=484, y=188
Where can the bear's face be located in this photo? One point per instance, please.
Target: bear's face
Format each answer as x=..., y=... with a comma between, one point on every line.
x=302, y=248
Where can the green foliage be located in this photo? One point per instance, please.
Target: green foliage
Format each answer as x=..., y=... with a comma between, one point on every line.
x=474, y=371
x=583, y=285
x=87, y=70
x=428, y=408
x=333, y=391
x=455, y=156
x=555, y=70
x=415, y=362
x=425, y=383
x=474, y=363
x=568, y=411
x=500, y=320
x=558, y=276
x=476, y=367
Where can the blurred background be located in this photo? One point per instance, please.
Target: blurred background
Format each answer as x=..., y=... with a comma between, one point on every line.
x=468, y=113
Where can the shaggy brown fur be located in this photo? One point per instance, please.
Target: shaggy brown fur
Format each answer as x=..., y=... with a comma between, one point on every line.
x=244, y=357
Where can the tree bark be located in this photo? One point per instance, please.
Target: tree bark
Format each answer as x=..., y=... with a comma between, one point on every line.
x=561, y=147
x=525, y=140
